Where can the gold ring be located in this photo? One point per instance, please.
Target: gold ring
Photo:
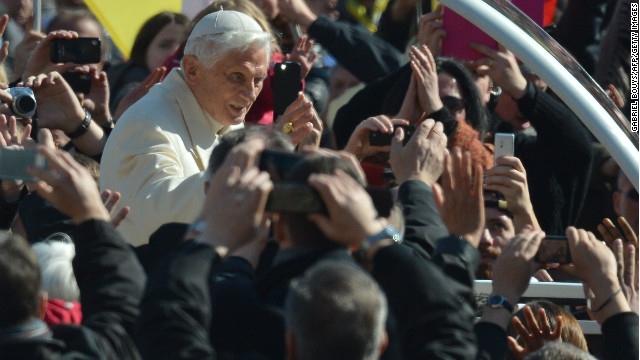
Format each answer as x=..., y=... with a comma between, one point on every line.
x=287, y=128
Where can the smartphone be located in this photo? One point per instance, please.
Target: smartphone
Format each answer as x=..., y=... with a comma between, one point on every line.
x=377, y=138
x=504, y=144
x=286, y=86
x=79, y=51
x=303, y=199
x=79, y=82
x=14, y=163
x=278, y=163
x=553, y=249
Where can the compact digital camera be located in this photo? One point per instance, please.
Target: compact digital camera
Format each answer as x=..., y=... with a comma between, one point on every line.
x=24, y=102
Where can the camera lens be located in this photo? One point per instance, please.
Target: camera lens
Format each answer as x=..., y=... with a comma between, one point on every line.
x=25, y=104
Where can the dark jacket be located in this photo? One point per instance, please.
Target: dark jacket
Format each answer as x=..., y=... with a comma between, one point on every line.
x=365, y=55
x=111, y=283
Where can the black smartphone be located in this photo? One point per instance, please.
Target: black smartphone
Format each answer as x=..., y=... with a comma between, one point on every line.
x=79, y=82
x=286, y=86
x=278, y=163
x=377, y=138
x=303, y=199
x=553, y=249
x=79, y=51
x=14, y=163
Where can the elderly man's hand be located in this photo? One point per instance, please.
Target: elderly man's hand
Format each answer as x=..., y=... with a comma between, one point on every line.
x=69, y=187
x=40, y=60
x=423, y=157
x=460, y=199
x=299, y=121
x=351, y=215
x=234, y=209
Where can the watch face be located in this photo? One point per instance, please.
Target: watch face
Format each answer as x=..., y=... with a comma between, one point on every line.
x=495, y=300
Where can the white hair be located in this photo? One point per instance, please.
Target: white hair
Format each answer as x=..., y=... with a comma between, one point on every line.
x=58, y=279
x=209, y=49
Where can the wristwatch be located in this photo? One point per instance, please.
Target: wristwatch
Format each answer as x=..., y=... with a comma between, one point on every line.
x=499, y=301
x=83, y=127
x=388, y=232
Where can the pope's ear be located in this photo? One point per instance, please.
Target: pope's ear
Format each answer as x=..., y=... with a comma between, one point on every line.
x=191, y=69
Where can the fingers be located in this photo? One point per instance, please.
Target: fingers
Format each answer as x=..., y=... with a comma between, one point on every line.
x=245, y=154
x=544, y=322
x=514, y=346
x=629, y=266
x=120, y=216
x=45, y=138
x=105, y=195
x=112, y=201
x=519, y=327
x=629, y=234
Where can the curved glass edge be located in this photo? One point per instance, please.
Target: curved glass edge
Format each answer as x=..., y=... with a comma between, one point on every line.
x=516, y=16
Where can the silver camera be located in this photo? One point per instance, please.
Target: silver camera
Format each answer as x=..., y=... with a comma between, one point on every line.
x=24, y=102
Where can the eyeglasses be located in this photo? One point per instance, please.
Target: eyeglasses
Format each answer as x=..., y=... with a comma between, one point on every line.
x=631, y=194
x=453, y=104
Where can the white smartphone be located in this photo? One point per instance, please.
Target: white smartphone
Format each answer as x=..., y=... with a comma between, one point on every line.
x=504, y=144
x=14, y=163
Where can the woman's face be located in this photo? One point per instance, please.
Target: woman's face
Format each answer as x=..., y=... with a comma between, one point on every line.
x=451, y=96
x=164, y=45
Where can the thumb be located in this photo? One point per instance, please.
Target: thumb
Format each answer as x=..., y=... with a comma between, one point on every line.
x=438, y=196
x=45, y=138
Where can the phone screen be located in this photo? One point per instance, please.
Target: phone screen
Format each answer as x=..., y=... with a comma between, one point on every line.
x=14, y=164
x=553, y=249
x=78, y=51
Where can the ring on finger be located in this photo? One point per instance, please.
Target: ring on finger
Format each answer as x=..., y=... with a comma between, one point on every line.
x=287, y=128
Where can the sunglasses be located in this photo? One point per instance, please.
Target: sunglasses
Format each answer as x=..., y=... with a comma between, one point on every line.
x=453, y=104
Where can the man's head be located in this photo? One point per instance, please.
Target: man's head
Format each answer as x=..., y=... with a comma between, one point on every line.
x=21, y=298
x=225, y=63
x=498, y=231
x=625, y=200
x=296, y=228
x=335, y=311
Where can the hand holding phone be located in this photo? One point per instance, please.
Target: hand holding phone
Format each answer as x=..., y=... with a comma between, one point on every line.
x=504, y=145
x=14, y=163
x=82, y=50
x=553, y=250
x=377, y=138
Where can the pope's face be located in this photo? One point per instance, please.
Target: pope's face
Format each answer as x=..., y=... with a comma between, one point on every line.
x=228, y=89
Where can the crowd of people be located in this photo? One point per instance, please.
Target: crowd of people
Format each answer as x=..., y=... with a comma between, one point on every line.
x=179, y=216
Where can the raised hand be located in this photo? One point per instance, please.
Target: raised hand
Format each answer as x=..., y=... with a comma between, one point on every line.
x=234, y=208
x=627, y=261
x=424, y=70
x=509, y=178
x=301, y=53
x=298, y=120
x=423, y=157
x=110, y=200
x=430, y=32
x=503, y=68
x=139, y=91
x=97, y=100
x=358, y=143
x=351, y=216
x=9, y=138
x=24, y=49
x=40, y=60
x=460, y=198
x=595, y=265
x=536, y=336
x=69, y=187
x=4, y=50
